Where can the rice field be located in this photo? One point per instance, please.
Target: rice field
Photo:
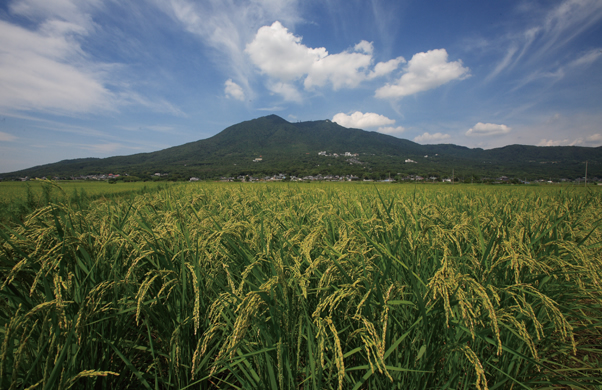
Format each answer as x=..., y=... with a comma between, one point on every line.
x=306, y=286
x=19, y=198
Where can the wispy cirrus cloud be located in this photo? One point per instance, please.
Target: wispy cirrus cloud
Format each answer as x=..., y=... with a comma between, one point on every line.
x=551, y=31
x=46, y=69
x=44, y=65
x=6, y=137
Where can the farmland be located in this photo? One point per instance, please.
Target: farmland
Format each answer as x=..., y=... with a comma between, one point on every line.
x=305, y=286
x=19, y=198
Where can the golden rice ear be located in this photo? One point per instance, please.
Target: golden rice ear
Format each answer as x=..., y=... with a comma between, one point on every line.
x=296, y=286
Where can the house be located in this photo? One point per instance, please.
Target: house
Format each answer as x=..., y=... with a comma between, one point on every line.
x=258, y=159
x=410, y=161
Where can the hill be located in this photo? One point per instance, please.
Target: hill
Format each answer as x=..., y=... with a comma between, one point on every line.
x=293, y=148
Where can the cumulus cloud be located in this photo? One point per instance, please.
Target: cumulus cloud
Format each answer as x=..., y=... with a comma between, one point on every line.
x=342, y=70
x=430, y=138
x=597, y=138
x=549, y=142
x=359, y=120
x=424, y=71
x=5, y=137
x=282, y=56
x=287, y=90
x=391, y=130
x=364, y=46
x=591, y=140
x=488, y=129
x=384, y=68
x=233, y=90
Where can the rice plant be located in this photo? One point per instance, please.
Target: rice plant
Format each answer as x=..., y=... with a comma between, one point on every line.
x=305, y=287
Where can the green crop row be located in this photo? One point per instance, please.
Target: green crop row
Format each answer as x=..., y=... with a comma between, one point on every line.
x=287, y=286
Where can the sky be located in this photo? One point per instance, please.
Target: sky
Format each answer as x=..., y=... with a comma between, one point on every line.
x=100, y=78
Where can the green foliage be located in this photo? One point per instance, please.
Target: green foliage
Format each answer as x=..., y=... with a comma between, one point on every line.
x=306, y=286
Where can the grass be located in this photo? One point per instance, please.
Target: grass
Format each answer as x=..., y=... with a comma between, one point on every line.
x=300, y=286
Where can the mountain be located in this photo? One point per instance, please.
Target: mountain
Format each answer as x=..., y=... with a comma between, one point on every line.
x=293, y=148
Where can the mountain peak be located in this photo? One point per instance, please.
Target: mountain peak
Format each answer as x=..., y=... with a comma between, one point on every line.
x=274, y=118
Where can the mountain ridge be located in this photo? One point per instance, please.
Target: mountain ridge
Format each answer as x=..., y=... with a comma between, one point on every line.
x=293, y=147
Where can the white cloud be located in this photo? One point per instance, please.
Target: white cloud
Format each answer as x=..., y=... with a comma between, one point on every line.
x=384, y=68
x=5, y=137
x=488, y=129
x=595, y=138
x=503, y=64
x=44, y=66
x=429, y=138
x=359, y=120
x=591, y=141
x=342, y=70
x=587, y=58
x=234, y=90
x=551, y=31
x=568, y=20
x=364, y=46
x=288, y=91
x=280, y=55
x=47, y=70
x=424, y=71
x=549, y=142
x=391, y=130
x=72, y=11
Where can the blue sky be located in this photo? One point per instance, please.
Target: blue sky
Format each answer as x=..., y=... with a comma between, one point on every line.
x=98, y=78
